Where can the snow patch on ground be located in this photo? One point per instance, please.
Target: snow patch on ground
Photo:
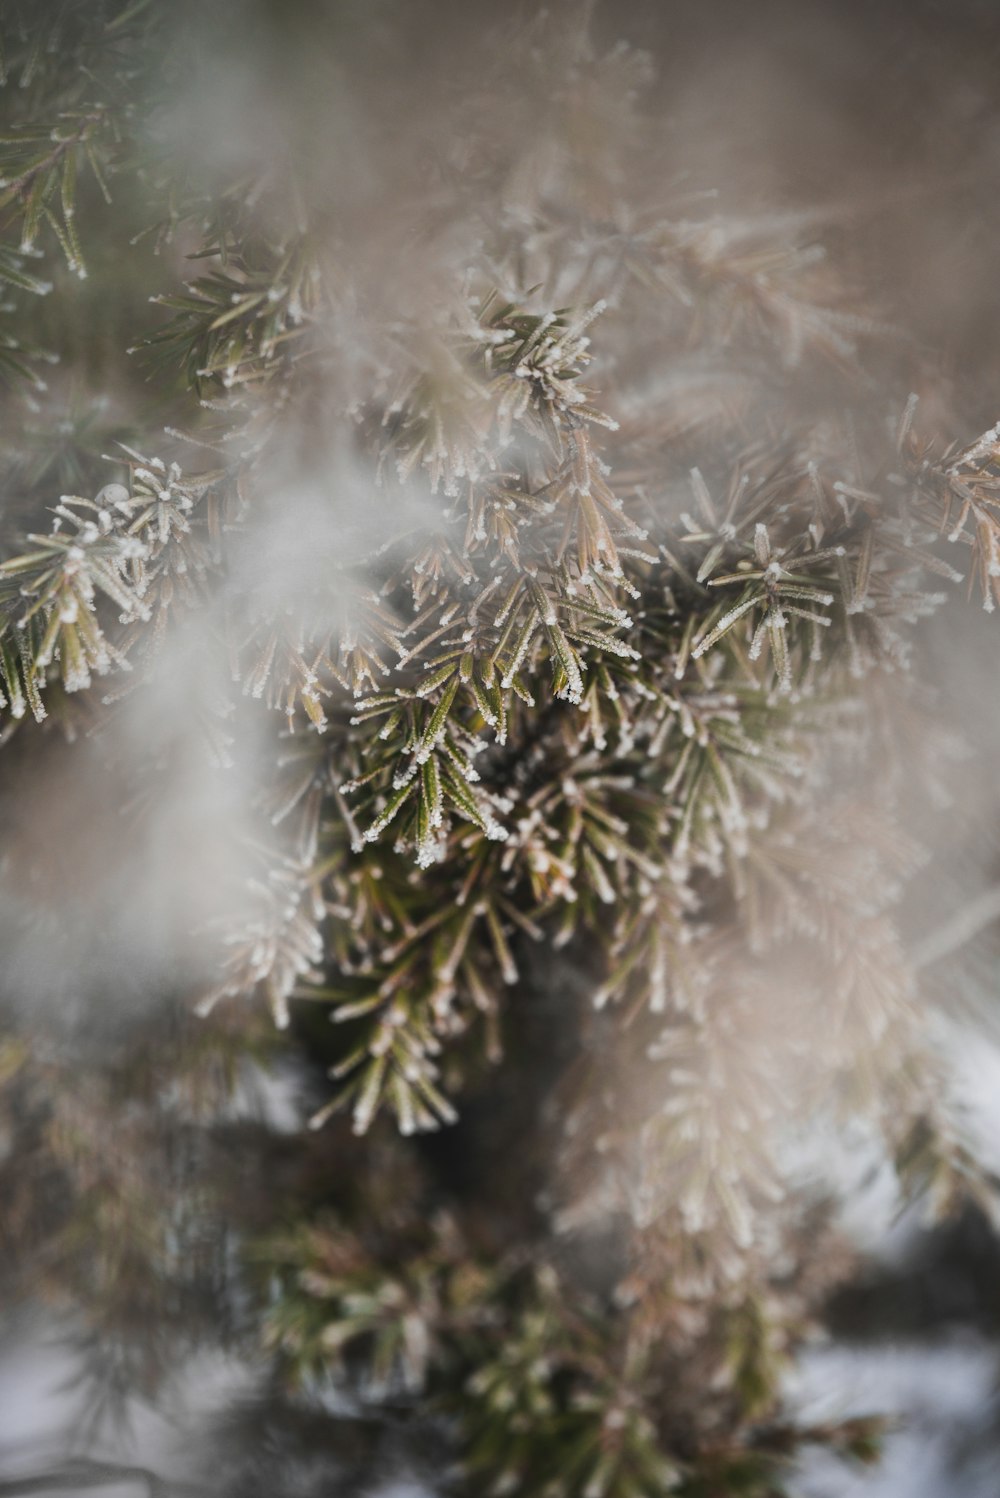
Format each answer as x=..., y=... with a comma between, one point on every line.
x=944, y=1396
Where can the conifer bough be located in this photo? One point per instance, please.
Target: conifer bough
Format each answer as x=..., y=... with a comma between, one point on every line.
x=601, y=601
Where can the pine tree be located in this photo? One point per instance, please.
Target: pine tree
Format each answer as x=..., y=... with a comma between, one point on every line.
x=500, y=521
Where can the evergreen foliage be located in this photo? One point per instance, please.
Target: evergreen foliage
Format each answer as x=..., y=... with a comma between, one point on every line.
x=566, y=620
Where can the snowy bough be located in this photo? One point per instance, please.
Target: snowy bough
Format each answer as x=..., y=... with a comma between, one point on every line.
x=566, y=601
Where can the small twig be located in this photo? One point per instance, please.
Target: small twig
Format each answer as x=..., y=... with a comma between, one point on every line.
x=962, y=927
